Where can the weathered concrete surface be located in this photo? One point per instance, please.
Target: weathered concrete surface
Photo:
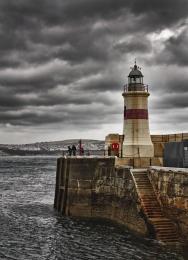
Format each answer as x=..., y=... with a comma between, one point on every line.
x=116, y=198
x=75, y=173
x=171, y=186
x=99, y=188
x=139, y=162
x=94, y=187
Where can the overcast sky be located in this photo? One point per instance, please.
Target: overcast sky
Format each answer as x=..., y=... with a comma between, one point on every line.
x=63, y=65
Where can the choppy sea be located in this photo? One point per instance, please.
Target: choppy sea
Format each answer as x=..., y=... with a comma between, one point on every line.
x=31, y=229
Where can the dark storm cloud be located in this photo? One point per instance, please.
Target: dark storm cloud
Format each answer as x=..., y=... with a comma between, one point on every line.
x=178, y=84
x=27, y=118
x=136, y=45
x=67, y=54
x=173, y=101
x=64, y=115
x=175, y=51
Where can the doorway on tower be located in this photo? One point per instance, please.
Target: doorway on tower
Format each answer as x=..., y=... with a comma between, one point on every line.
x=125, y=112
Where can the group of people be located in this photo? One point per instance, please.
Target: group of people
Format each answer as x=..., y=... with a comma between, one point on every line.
x=72, y=150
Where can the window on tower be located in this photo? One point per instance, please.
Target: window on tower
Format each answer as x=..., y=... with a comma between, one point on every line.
x=135, y=80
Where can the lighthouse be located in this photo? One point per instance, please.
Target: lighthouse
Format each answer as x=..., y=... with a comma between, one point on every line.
x=137, y=141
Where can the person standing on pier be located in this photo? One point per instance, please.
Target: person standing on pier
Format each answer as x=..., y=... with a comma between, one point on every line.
x=82, y=151
x=69, y=151
x=74, y=150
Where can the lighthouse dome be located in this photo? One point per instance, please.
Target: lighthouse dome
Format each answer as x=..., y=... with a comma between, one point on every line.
x=135, y=72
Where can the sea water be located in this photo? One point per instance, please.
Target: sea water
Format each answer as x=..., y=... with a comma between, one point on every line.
x=31, y=229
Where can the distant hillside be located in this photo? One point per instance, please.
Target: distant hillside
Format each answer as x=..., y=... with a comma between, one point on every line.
x=51, y=148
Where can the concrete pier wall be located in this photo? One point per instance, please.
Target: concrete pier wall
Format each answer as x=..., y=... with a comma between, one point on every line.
x=94, y=187
x=102, y=188
x=171, y=186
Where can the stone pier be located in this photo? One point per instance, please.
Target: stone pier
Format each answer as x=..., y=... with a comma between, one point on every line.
x=151, y=202
x=94, y=187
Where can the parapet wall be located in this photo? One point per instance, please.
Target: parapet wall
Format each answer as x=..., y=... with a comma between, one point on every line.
x=171, y=186
x=94, y=187
x=157, y=140
x=166, y=138
x=142, y=162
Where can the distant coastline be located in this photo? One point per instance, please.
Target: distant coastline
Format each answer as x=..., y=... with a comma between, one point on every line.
x=57, y=148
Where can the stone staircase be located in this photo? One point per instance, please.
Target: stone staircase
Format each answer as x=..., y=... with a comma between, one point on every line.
x=164, y=228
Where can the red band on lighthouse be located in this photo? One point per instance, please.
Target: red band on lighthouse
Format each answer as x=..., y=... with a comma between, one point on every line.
x=136, y=114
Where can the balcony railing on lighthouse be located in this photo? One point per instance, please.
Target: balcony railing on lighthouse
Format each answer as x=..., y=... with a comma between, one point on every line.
x=135, y=87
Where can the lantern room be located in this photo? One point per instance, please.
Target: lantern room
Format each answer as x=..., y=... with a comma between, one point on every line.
x=135, y=76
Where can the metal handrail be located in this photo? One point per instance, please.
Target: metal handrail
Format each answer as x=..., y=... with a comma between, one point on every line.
x=143, y=87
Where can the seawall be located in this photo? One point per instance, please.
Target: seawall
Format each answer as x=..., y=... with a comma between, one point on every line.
x=151, y=202
x=94, y=187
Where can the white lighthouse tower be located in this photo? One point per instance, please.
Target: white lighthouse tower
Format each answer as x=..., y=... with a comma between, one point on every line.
x=137, y=141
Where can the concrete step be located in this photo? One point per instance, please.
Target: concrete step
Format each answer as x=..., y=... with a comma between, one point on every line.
x=150, y=201
x=162, y=221
x=147, y=190
x=147, y=204
x=168, y=240
x=154, y=214
x=167, y=236
x=152, y=193
x=143, y=181
x=153, y=210
x=144, y=193
x=166, y=232
x=156, y=207
x=139, y=172
x=152, y=207
x=141, y=178
x=149, y=198
x=164, y=225
x=146, y=185
x=164, y=228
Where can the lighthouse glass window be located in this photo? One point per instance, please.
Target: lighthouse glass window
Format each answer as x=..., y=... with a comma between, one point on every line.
x=135, y=80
